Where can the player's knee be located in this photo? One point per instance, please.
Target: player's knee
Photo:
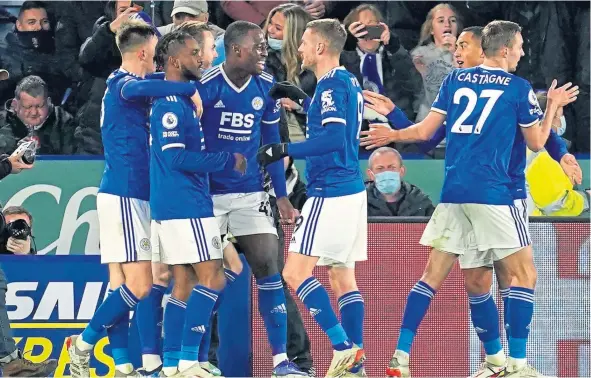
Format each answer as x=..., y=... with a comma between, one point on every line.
x=139, y=288
x=476, y=286
x=162, y=278
x=525, y=276
x=293, y=276
x=262, y=269
x=182, y=290
x=342, y=281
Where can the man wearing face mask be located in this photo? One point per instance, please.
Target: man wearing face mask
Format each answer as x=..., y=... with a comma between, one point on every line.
x=30, y=50
x=31, y=115
x=387, y=194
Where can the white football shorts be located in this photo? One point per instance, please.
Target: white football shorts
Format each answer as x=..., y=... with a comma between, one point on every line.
x=244, y=213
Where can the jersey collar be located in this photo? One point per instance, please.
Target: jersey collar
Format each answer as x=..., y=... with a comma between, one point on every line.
x=229, y=82
x=491, y=68
x=329, y=72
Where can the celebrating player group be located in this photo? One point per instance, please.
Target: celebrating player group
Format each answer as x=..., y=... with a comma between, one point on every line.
x=184, y=154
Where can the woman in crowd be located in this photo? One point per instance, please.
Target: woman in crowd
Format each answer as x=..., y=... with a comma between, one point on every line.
x=433, y=57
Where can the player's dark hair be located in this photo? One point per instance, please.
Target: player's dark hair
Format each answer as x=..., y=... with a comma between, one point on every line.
x=27, y=5
x=196, y=29
x=498, y=34
x=331, y=31
x=475, y=30
x=168, y=46
x=32, y=85
x=236, y=32
x=133, y=33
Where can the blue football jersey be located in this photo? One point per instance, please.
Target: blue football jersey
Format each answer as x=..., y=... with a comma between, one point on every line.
x=125, y=133
x=485, y=108
x=177, y=192
x=337, y=99
x=232, y=120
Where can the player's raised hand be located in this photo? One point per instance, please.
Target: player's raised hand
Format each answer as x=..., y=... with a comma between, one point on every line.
x=380, y=103
x=240, y=165
x=378, y=135
x=571, y=169
x=285, y=89
x=116, y=23
x=270, y=153
x=564, y=95
x=196, y=98
x=288, y=214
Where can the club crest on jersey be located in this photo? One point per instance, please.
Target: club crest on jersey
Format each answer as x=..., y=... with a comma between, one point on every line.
x=145, y=244
x=216, y=242
x=257, y=103
x=170, y=120
x=327, y=101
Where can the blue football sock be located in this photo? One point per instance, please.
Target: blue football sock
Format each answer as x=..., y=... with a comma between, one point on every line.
x=316, y=299
x=521, y=303
x=352, y=310
x=115, y=307
x=485, y=318
x=417, y=304
x=174, y=317
x=273, y=311
x=118, y=335
x=147, y=315
x=505, y=297
x=199, y=306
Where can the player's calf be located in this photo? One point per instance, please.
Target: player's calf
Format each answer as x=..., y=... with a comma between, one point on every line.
x=350, y=301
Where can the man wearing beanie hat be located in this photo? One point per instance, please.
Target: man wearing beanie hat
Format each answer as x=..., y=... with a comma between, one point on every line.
x=190, y=10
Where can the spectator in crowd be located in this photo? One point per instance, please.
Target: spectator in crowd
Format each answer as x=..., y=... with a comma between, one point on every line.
x=386, y=66
x=258, y=11
x=283, y=30
x=551, y=184
x=17, y=218
x=387, y=194
x=30, y=50
x=190, y=10
x=433, y=57
x=32, y=115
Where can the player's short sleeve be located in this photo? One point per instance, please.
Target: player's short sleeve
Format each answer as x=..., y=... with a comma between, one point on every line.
x=272, y=113
x=529, y=112
x=126, y=80
x=441, y=103
x=332, y=94
x=167, y=117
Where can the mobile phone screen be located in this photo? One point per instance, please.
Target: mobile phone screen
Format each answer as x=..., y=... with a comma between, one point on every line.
x=374, y=31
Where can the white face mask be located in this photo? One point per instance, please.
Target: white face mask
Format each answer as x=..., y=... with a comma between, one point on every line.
x=562, y=127
x=275, y=44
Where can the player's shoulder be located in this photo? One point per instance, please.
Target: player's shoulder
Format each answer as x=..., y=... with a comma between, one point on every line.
x=168, y=104
x=340, y=78
x=265, y=78
x=211, y=76
x=118, y=78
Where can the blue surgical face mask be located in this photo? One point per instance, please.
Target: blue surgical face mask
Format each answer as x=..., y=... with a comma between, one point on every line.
x=275, y=44
x=562, y=127
x=388, y=182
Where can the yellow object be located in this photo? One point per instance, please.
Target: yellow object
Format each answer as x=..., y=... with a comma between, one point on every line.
x=550, y=188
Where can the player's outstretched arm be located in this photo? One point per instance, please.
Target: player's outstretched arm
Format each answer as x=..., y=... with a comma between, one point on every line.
x=333, y=139
x=382, y=135
x=135, y=89
x=536, y=133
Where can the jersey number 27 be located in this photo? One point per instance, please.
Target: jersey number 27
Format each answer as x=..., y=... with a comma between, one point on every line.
x=492, y=95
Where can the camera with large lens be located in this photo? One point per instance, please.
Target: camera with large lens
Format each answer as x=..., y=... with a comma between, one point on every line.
x=18, y=229
x=27, y=150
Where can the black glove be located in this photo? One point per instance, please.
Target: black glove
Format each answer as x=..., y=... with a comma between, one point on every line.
x=285, y=89
x=270, y=153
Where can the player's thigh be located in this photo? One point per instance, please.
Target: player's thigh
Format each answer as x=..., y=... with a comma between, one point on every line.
x=333, y=229
x=251, y=214
x=124, y=229
x=232, y=260
x=449, y=230
x=189, y=241
x=498, y=226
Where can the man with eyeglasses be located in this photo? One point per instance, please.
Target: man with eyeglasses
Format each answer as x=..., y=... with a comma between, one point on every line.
x=31, y=115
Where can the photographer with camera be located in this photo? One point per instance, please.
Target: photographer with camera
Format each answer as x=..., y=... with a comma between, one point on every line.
x=16, y=236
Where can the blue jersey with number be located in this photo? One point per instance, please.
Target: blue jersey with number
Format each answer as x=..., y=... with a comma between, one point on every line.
x=337, y=99
x=485, y=108
x=232, y=120
x=176, y=193
x=125, y=133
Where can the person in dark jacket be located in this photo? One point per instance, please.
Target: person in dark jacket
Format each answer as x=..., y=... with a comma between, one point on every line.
x=283, y=30
x=30, y=50
x=387, y=194
x=31, y=115
x=385, y=65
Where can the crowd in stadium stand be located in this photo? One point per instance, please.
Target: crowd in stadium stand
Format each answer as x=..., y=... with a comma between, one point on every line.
x=57, y=56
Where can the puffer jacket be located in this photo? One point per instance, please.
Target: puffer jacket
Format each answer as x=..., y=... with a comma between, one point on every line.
x=412, y=203
x=55, y=136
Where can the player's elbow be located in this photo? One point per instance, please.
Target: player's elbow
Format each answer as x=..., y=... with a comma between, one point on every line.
x=535, y=145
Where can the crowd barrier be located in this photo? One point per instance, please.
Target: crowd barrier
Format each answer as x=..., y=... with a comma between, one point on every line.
x=51, y=297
